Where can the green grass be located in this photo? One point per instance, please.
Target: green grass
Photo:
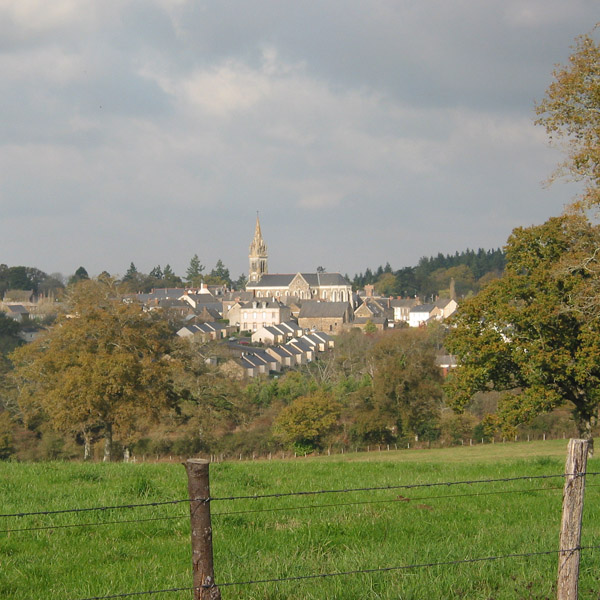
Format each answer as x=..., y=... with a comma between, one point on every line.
x=364, y=530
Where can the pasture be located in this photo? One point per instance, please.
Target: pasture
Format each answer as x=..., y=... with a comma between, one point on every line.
x=90, y=554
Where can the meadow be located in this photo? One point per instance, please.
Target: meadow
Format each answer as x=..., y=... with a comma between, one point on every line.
x=91, y=554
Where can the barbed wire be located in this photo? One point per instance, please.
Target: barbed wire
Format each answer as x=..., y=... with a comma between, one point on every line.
x=297, y=493
x=282, y=509
x=346, y=573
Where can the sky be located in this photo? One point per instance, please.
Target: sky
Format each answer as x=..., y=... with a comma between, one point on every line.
x=148, y=131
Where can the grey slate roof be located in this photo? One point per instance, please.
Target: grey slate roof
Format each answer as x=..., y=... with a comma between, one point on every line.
x=17, y=309
x=423, y=308
x=312, y=309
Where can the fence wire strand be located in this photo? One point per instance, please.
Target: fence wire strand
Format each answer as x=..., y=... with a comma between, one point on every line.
x=347, y=573
x=397, y=500
x=297, y=493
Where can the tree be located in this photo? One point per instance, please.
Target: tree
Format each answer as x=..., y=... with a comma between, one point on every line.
x=103, y=370
x=194, y=271
x=387, y=284
x=156, y=273
x=570, y=111
x=80, y=275
x=220, y=274
x=407, y=383
x=131, y=274
x=240, y=282
x=133, y=279
x=170, y=279
x=524, y=334
x=308, y=420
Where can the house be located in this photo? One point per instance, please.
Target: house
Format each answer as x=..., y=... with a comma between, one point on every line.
x=262, y=313
x=239, y=368
x=303, y=346
x=423, y=313
x=446, y=362
x=206, y=331
x=371, y=312
x=330, y=317
x=401, y=308
x=321, y=341
x=448, y=306
x=17, y=312
x=22, y=297
x=285, y=359
x=297, y=355
x=276, y=334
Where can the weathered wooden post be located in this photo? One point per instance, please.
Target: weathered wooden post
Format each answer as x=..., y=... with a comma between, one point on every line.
x=202, y=551
x=570, y=529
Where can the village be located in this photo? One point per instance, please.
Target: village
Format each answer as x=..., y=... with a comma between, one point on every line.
x=278, y=321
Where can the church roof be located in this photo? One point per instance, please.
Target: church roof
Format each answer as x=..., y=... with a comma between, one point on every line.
x=285, y=279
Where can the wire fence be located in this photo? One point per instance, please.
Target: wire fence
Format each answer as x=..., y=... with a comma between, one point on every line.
x=208, y=501
x=446, y=563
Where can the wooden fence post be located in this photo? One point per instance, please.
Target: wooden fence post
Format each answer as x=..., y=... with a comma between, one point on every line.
x=570, y=529
x=202, y=551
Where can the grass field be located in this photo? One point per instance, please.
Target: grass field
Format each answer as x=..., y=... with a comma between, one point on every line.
x=300, y=535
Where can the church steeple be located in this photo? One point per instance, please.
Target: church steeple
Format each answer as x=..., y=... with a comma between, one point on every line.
x=258, y=255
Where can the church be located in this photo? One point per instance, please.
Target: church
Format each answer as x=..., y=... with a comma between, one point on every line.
x=326, y=287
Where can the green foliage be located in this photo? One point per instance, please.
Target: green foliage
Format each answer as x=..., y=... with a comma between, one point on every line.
x=524, y=336
x=406, y=380
x=220, y=274
x=104, y=369
x=194, y=271
x=9, y=334
x=7, y=448
x=308, y=420
x=570, y=112
x=80, y=275
x=431, y=277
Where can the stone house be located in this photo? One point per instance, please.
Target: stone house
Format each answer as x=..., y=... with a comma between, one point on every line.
x=330, y=317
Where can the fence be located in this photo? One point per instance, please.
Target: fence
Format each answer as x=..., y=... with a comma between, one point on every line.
x=205, y=585
x=343, y=449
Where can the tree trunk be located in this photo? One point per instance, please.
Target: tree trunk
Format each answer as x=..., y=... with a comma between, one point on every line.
x=87, y=446
x=585, y=423
x=126, y=454
x=108, y=444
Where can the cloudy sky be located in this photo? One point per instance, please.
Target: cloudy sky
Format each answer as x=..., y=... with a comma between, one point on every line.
x=362, y=131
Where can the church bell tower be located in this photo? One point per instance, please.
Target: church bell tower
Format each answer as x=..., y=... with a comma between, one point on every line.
x=258, y=255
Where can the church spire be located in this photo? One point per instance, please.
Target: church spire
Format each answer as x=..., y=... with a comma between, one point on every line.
x=258, y=254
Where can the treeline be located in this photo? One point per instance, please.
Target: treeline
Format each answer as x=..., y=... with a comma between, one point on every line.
x=468, y=270
x=39, y=282
x=28, y=278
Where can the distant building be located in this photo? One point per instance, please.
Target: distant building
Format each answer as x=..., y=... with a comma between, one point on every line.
x=262, y=313
x=328, y=287
x=329, y=317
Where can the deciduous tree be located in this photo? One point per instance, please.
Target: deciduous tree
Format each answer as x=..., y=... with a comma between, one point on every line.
x=406, y=381
x=524, y=334
x=570, y=112
x=308, y=420
x=102, y=368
